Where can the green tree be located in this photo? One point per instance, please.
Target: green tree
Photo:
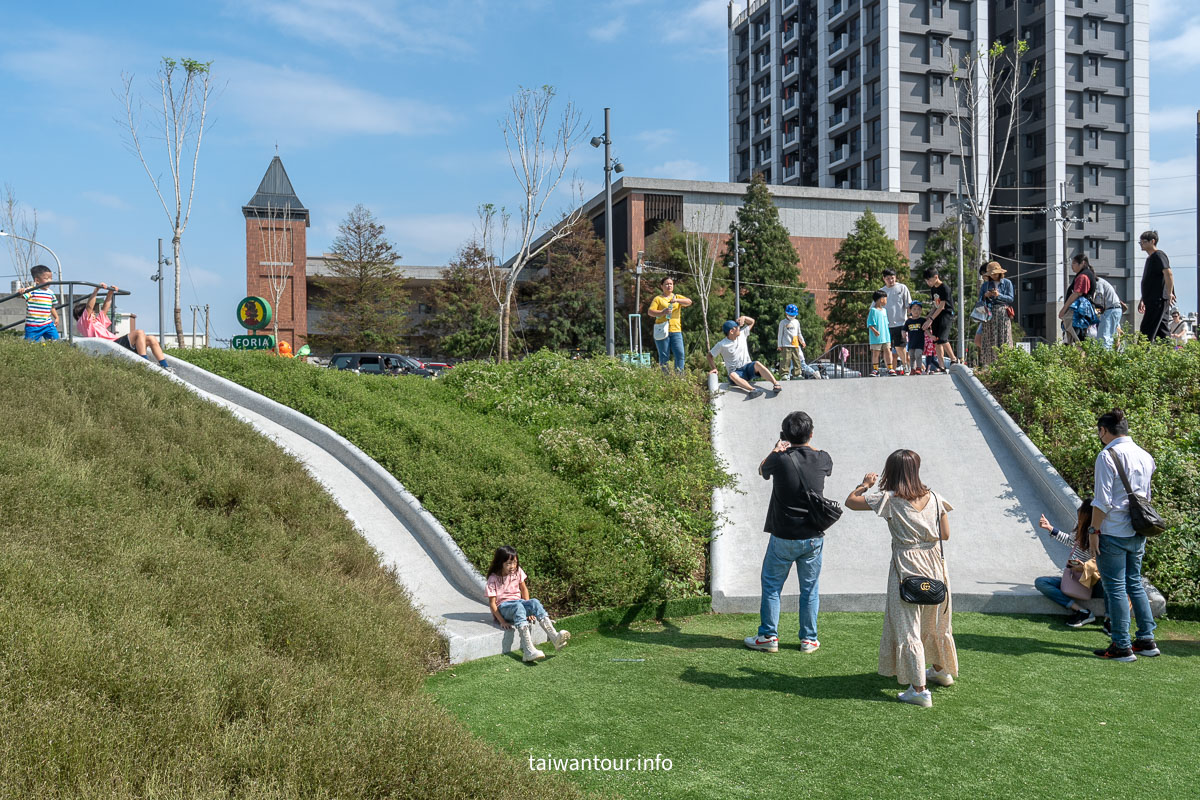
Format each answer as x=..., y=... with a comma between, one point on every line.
x=860, y=263
x=567, y=297
x=465, y=324
x=364, y=296
x=769, y=275
x=941, y=253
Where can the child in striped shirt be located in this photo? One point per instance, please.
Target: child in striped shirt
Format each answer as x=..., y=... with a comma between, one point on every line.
x=41, y=318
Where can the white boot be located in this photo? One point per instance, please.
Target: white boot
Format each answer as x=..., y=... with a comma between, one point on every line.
x=531, y=653
x=557, y=638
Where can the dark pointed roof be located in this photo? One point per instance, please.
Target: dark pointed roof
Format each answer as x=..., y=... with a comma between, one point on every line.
x=275, y=193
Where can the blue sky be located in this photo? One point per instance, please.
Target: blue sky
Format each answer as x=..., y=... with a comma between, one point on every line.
x=396, y=105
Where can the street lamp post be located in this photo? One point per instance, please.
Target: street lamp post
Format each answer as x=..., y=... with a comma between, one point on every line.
x=610, y=165
x=158, y=278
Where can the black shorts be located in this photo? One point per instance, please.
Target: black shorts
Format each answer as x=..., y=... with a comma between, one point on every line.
x=941, y=328
x=124, y=342
x=899, y=336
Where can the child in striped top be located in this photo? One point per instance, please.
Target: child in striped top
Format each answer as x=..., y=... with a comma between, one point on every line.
x=1080, y=545
x=41, y=318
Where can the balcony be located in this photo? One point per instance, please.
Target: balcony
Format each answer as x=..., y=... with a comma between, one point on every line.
x=839, y=81
x=839, y=44
x=791, y=137
x=762, y=60
x=792, y=101
x=791, y=69
x=789, y=5
x=792, y=172
x=839, y=154
x=838, y=8
x=790, y=34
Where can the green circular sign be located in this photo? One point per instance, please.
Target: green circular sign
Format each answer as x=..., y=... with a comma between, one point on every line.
x=254, y=313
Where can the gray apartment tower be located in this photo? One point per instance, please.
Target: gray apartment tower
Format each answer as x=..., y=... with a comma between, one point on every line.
x=859, y=94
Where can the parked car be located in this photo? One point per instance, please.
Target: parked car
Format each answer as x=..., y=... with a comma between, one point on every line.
x=380, y=364
x=438, y=365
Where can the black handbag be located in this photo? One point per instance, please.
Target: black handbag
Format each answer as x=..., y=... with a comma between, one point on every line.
x=918, y=589
x=1142, y=515
x=822, y=512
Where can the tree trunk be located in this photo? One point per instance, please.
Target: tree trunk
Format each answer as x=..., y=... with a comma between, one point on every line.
x=505, y=317
x=175, y=247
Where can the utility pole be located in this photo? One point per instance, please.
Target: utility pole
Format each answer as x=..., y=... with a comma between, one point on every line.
x=206, y=326
x=737, y=277
x=1065, y=221
x=610, y=345
x=962, y=309
x=195, y=309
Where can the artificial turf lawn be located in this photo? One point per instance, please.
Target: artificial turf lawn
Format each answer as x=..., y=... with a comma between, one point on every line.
x=1034, y=713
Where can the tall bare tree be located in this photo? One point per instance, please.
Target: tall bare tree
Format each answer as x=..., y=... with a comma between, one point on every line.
x=538, y=154
x=987, y=90
x=16, y=220
x=703, y=250
x=183, y=116
x=275, y=236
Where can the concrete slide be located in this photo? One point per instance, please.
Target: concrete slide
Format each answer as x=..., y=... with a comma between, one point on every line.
x=445, y=587
x=972, y=454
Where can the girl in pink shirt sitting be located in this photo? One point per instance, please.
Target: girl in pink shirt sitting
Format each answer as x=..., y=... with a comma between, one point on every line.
x=93, y=323
x=508, y=597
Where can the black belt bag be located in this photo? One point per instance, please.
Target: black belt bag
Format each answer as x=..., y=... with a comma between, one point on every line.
x=919, y=589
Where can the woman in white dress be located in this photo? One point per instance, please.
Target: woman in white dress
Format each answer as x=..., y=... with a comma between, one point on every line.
x=914, y=636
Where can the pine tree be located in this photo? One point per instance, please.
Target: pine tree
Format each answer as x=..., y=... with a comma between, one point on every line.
x=860, y=263
x=769, y=275
x=465, y=325
x=568, y=297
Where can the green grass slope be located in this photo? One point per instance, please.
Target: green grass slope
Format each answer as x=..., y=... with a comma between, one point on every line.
x=599, y=474
x=184, y=613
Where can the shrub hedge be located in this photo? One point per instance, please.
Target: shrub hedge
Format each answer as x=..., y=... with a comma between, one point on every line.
x=599, y=474
x=1056, y=393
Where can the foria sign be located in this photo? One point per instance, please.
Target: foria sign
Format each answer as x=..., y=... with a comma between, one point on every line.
x=253, y=343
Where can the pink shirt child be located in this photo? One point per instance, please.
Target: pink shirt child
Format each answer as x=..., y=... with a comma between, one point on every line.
x=505, y=588
x=96, y=325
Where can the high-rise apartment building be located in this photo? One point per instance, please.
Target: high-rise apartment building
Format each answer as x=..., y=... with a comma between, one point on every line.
x=859, y=94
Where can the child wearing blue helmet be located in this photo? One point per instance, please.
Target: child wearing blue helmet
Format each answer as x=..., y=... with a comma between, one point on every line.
x=791, y=346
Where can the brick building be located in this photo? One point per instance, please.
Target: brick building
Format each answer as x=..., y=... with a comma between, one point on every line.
x=276, y=223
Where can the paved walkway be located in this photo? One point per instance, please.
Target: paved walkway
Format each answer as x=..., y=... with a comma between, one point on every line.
x=994, y=552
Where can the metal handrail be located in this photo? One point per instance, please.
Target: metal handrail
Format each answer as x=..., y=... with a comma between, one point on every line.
x=69, y=303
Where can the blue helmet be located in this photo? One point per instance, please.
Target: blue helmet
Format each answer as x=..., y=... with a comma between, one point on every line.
x=791, y=310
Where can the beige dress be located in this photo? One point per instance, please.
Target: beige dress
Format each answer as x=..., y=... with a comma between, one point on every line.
x=914, y=636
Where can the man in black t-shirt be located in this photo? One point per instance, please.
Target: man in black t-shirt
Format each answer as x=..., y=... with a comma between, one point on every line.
x=941, y=316
x=1158, y=288
x=794, y=467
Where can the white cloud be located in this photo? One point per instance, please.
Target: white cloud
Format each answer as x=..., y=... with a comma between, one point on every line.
x=372, y=25
x=609, y=31
x=659, y=137
x=106, y=200
x=682, y=169
x=429, y=239
x=1181, y=50
x=704, y=24
x=282, y=101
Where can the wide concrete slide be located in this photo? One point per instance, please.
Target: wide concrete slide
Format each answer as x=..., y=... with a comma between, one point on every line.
x=972, y=455
x=444, y=586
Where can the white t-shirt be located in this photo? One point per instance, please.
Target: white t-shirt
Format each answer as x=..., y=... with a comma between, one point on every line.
x=733, y=351
x=1106, y=294
x=898, y=299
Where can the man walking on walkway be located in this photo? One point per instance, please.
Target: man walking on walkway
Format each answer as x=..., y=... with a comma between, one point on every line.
x=1120, y=549
x=898, y=301
x=1158, y=288
x=794, y=467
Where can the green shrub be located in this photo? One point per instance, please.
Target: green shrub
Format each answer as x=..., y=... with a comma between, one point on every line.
x=599, y=474
x=1056, y=393
x=185, y=613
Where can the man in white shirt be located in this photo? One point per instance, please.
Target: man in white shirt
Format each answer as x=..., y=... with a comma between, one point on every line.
x=732, y=350
x=1118, y=547
x=1110, y=306
x=898, y=301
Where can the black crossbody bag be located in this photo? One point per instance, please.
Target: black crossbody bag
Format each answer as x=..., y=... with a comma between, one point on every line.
x=822, y=512
x=918, y=589
x=1142, y=515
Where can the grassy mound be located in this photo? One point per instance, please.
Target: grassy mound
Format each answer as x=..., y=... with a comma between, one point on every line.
x=1057, y=393
x=1033, y=715
x=183, y=612
x=599, y=474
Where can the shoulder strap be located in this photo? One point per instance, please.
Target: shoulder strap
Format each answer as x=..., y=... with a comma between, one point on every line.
x=791, y=452
x=938, y=509
x=1120, y=471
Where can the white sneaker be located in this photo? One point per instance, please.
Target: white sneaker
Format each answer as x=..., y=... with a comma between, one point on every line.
x=809, y=645
x=767, y=644
x=940, y=678
x=923, y=699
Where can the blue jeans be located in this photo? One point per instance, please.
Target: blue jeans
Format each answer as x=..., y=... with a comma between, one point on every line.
x=519, y=612
x=1052, y=588
x=670, y=346
x=1120, y=563
x=1110, y=320
x=777, y=565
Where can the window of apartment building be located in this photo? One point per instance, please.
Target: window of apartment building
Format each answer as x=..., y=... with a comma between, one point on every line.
x=873, y=20
x=937, y=85
x=1093, y=212
x=875, y=55
x=936, y=8
x=937, y=47
x=1094, y=175
x=937, y=163
x=1094, y=102
x=1093, y=246
x=1093, y=136
x=1094, y=28
x=874, y=91
x=937, y=125
x=875, y=132
x=424, y=308
x=937, y=202
x=874, y=170
x=1094, y=65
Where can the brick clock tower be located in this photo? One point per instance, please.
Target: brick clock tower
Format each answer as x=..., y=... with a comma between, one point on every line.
x=275, y=253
